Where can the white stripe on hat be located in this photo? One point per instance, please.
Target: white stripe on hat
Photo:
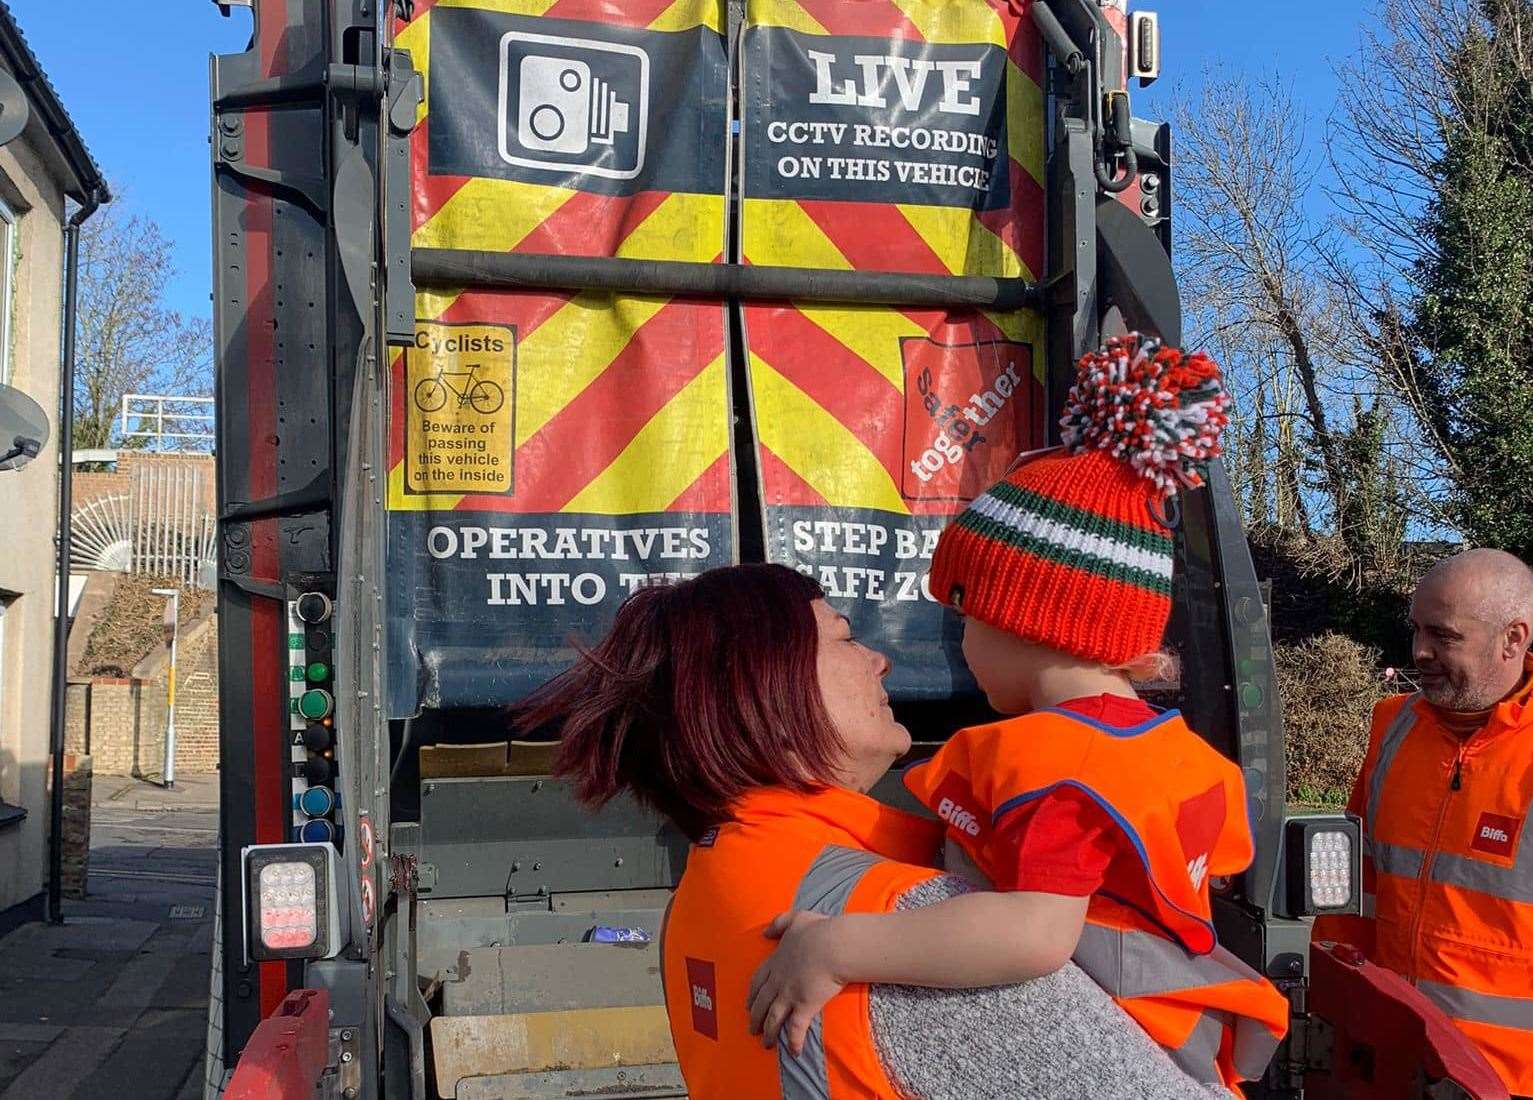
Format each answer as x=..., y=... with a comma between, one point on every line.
x=1068, y=537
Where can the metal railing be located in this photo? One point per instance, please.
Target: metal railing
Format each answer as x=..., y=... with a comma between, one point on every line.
x=163, y=526
x=162, y=418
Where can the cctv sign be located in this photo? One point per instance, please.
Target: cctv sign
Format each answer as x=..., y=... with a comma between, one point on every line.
x=573, y=105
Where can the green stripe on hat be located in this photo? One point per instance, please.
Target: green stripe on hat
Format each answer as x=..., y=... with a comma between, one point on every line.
x=1052, y=552
x=1090, y=522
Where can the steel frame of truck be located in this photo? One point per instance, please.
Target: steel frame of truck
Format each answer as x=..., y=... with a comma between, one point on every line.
x=314, y=283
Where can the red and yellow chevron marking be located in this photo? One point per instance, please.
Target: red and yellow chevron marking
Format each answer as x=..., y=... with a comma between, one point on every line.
x=621, y=406
x=829, y=392
x=828, y=383
x=621, y=402
x=906, y=237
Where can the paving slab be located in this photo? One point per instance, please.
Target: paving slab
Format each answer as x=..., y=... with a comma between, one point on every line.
x=138, y=981
x=17, y=1054
x=70, y=1060
x=103, y=933
x=28, y=1001
x=192, y=1087
x=155, y=1056
x=112, y=1004
x=186, y=984
x=45, y=967
x=30, y=1033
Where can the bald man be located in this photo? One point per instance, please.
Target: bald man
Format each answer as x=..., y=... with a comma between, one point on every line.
x=1444, y=797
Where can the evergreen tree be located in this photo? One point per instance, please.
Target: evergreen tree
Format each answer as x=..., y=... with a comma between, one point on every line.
x=1474, y=318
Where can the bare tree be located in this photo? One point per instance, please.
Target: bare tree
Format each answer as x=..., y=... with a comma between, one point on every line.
x=1250, y=263
x=127, y=341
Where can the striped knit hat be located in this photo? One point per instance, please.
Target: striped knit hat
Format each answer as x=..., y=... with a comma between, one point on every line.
x=1069, y=550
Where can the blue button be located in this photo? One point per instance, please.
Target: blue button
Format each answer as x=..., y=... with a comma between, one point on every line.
x=317, y=801
x=317, y=830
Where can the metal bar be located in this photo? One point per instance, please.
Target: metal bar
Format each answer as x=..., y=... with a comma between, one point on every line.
x=177, y=534
x=161, y=494
x=141, y=526
x=443, y=267
x=152, y=515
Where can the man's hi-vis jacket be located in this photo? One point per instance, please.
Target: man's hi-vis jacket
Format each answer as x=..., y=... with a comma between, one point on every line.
x=1448, y=869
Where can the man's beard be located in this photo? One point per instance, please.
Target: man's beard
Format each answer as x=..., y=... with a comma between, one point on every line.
x=1461, y=697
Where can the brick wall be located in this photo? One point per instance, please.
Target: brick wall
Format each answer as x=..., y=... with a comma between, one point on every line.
x=121, y=721
x=77, y=782
x=90, y=487
x=77, y=717
x=196, y=699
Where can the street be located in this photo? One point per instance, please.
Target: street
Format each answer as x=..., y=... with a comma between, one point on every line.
x=114, y=1002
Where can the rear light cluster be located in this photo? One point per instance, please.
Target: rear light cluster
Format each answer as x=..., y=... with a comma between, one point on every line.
x=1322, y=858
x=1330, y=869
x=289, y=905
x=292, y=904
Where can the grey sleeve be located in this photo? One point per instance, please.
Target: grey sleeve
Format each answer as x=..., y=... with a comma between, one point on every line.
x=1055, y=1037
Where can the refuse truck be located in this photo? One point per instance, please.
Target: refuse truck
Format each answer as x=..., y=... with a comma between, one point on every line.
x=521, y=305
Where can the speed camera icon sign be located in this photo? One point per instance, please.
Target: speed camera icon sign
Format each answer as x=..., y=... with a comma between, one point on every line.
x=573, y=105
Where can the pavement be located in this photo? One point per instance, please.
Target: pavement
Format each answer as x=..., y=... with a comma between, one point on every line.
x=113, y=1002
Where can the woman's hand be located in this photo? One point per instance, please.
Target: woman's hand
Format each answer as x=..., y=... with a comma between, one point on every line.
x=792, y=985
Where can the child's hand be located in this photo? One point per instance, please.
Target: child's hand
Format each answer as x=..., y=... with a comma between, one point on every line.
x=789, y=989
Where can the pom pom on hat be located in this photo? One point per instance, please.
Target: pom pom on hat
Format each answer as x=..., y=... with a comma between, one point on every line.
x=1153, y=407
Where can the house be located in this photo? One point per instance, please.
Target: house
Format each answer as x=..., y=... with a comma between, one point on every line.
x=46, y=173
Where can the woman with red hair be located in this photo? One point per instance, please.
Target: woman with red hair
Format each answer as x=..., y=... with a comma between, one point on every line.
x=739, y=705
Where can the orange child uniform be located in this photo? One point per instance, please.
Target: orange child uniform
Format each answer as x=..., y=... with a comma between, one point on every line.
x=1070, y=551
x=1157, y=812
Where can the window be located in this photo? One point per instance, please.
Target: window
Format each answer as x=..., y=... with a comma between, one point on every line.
x=9, y=815
x=7, y=277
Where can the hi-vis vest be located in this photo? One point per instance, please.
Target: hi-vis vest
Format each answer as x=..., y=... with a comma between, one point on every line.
x=831, y=852
x=1448, y=870
x=1149, y=937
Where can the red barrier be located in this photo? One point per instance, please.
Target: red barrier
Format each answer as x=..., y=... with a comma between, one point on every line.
x=288, y=1051
x=1389, y=1040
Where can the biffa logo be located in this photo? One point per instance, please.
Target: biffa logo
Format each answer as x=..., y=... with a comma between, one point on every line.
x=958, y=817
x=701, y=980
x=1495, y=834
x=952, y=800
x=1197, y=869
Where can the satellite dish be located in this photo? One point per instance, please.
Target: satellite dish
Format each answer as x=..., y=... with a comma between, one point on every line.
x=23, y=428
x=13, y=108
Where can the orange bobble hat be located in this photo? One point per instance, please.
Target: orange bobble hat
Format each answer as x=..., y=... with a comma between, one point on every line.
x=1069, y=550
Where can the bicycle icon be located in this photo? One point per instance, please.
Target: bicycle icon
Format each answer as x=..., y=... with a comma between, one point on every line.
x=480, y=394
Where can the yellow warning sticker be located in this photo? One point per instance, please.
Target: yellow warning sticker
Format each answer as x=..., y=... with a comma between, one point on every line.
x=460, y=407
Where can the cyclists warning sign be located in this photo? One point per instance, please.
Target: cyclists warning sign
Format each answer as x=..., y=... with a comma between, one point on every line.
x=460, y=393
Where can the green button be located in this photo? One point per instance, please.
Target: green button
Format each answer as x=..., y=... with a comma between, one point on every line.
x=315, y=704
x=318, y=670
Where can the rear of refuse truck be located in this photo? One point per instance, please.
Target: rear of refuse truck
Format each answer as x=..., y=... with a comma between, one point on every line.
x=523, y=304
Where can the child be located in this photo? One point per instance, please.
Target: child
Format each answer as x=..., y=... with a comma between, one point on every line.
x=1099, y=820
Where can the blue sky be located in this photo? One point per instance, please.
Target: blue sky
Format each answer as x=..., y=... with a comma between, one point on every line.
x=134, y=78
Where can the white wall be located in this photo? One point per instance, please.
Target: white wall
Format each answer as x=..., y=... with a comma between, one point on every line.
x=28, y=513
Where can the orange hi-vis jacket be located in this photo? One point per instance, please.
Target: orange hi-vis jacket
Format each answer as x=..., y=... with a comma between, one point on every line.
x=831, y=852
x=1149, y=938
x=1448, y=869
